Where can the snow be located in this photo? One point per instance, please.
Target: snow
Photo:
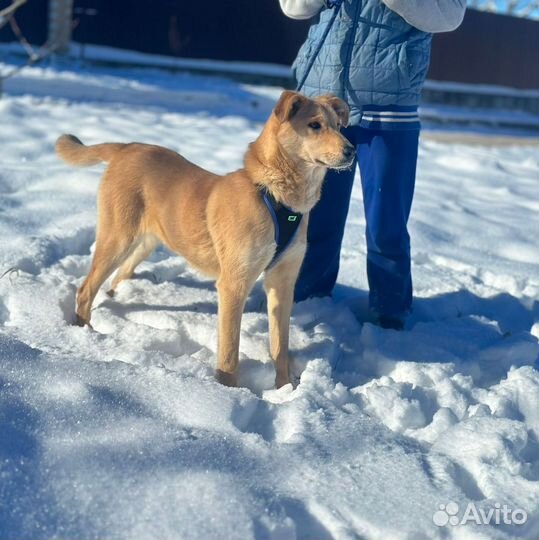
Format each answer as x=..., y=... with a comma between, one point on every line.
x=508, y=119
x=490, y=89
x=123, y=432
x=125, y=57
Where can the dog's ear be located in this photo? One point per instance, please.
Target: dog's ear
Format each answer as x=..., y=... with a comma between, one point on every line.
x=339, y=106
x=288, y=105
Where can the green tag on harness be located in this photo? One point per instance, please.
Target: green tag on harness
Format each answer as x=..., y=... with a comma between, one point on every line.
x=286, y=223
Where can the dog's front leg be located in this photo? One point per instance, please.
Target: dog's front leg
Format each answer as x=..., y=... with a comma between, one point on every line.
x=233, y=293
x=279, y=284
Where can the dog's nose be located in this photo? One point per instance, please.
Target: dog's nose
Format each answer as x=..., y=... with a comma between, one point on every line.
x=348, y=151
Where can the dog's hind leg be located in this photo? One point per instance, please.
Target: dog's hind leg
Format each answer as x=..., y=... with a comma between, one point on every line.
x=279, y=283
x=110, y=252
x=144, y=246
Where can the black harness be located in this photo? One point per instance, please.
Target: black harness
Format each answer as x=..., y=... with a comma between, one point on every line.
x=285, y=222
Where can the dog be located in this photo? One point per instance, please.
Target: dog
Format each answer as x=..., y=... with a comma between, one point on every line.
x=221, y=225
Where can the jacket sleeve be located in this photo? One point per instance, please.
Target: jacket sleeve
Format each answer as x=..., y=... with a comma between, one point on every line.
x=429, y=15
x=301, y=9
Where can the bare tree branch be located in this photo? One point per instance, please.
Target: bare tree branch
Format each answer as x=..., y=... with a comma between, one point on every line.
x=6, y=12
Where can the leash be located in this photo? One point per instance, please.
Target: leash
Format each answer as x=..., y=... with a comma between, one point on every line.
x=285, y=221
x=336, y=5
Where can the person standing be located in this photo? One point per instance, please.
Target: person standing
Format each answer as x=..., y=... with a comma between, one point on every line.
x=375, y=57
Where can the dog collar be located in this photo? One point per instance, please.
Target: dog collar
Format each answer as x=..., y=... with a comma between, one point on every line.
x=285, y=223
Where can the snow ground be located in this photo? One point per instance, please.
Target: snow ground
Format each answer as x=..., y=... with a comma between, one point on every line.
x=123, y=432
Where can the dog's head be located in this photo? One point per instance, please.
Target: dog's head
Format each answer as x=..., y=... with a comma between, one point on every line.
x=309, y=129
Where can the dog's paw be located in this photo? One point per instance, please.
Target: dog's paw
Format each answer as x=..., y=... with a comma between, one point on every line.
x=281, y=381
x=227, y=379
x=79, y=321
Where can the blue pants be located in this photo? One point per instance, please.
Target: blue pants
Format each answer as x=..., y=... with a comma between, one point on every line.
x=387, y=163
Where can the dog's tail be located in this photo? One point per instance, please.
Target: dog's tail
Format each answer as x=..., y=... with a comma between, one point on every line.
x=74, y=152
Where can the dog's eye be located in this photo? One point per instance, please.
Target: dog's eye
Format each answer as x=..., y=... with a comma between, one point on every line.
x=315, y=125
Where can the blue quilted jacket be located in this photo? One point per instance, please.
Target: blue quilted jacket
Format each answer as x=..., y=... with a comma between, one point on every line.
x=373, y=59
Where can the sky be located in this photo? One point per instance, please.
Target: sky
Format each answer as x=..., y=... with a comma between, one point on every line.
x=527, y=8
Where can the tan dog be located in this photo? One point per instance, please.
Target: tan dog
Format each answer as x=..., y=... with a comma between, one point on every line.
x=220, y=224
